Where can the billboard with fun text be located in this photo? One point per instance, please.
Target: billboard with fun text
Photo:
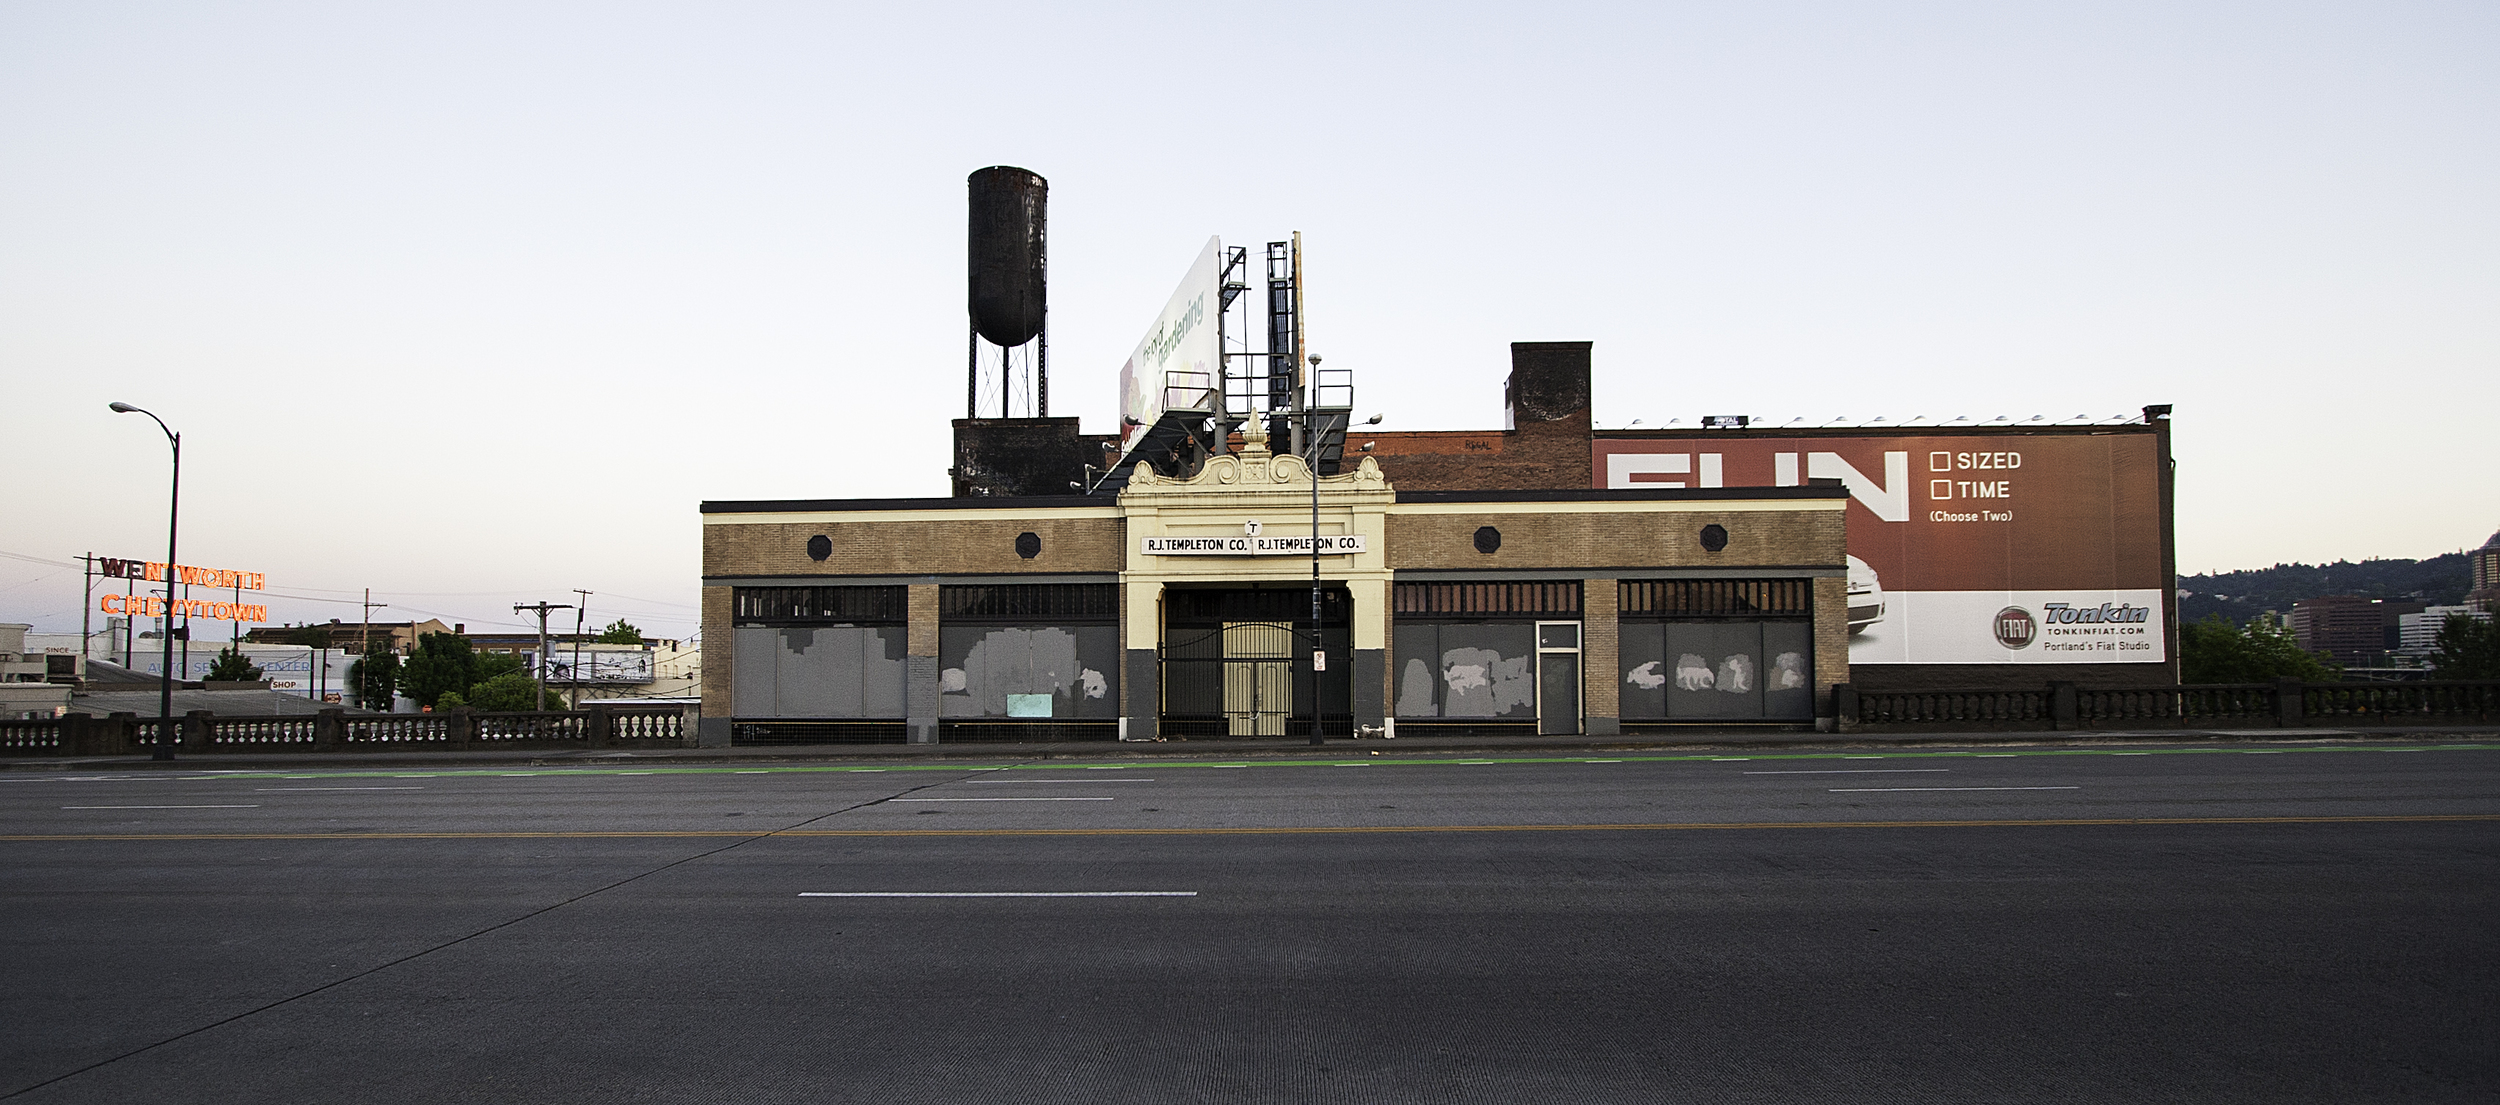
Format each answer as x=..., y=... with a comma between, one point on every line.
x=1963, y=549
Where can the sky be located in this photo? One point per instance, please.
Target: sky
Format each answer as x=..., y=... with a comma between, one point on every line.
x=473, y=304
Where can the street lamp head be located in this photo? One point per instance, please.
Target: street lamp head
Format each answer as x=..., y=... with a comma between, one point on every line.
x=123, y=408
x=1314, y=360
x=1373, y=420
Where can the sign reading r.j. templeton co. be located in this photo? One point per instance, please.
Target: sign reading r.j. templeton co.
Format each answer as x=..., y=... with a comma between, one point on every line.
x=1251, y=546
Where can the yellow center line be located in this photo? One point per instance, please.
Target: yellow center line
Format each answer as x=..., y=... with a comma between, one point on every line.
x=1288, y=830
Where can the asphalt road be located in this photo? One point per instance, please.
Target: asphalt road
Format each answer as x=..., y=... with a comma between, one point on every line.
x=2284, y=923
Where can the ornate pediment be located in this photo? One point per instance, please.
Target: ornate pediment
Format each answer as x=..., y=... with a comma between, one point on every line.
x=1255, y=468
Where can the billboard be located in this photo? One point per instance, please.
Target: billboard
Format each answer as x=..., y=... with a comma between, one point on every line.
x=1175, y=366
x=596, y=665
x=2037, y=548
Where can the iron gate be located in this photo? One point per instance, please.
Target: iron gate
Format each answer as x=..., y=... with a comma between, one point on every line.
x=1248, y=679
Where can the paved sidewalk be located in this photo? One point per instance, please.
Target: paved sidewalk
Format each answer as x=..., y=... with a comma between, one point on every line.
x=1236, y=749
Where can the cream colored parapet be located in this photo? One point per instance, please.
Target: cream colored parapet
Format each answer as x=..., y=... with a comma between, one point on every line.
x=1256, y=493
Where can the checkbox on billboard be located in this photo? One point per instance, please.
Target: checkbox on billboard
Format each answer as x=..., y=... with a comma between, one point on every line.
x=1939, y=462
x=1939, y=490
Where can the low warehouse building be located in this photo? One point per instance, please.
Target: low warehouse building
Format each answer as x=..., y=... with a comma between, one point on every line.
x=1182, y=606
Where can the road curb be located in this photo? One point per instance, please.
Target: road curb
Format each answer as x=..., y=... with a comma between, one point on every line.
x=1718, y=740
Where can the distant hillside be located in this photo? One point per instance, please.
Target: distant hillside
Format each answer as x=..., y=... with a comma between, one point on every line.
x=2240, y=596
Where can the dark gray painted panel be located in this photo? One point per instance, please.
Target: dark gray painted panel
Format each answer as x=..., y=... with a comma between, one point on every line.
x=1369, y=699
x=1142, y=695
x=997, y=671
x=820, y=672
x=1788, y=671
x=1466, y=670
x=1714, y=670
x=1642, y=648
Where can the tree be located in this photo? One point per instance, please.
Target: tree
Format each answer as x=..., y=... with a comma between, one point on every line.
x=232, y=667
x=2467, y=648
x=375, y=678
x=492, y=664
x=619, y=632
x=440, y=662
x=510, y=692
x=311, y=636
x=2215, y=651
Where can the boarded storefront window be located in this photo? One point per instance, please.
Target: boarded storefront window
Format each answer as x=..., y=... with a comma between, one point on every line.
x=1028, y=651
x=819, y=652
x=1468, y=650
x=1716, y=649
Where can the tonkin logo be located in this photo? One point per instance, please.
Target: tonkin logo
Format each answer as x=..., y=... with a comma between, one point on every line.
x=2015, y=627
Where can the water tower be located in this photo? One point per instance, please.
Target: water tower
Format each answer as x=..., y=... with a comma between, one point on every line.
x=1006, y=443
x=1007, y=294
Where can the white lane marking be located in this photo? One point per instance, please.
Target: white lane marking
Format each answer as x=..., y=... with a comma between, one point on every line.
x=1897, y=790
x=1729, y=759
x=299, y=776
x=513, y=774
x=412, y=776
x=998, y=799
x=1228, y=765
x=1109, y=767
x=309, y=790
x=636, y=773
x=998, y=894
x=1858, y=771
x=250, y=807
x=1601, y=761
x=755, y=771
x=1994, y=755
x=1474, y=761
x=1012, y=782
x=2261, y=751
x=1861, y=757
x=2130, y=753
x=1331, y=765
x=863, y=770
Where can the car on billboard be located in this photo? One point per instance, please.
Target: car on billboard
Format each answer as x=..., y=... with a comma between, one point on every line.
x=1866, y=597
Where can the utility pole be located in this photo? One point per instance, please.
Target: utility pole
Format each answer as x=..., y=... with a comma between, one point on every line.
x=579, y=613
x=364, y=636
x=541, y=608
x=86, y=616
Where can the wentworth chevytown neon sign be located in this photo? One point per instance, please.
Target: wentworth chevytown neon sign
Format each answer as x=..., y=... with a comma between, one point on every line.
x=155, y=571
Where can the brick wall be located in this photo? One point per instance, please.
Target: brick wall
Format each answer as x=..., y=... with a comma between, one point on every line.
x=937, y=546
x=718, y=655
x=1665, y=539
x=1600, y=663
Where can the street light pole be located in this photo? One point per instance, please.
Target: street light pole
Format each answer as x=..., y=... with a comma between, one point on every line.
x=164, y=749
x=1311, y=439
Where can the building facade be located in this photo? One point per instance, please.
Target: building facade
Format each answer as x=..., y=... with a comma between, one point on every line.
x=1183, y=606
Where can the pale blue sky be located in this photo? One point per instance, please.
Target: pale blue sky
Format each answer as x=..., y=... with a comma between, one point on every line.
x=472, y=303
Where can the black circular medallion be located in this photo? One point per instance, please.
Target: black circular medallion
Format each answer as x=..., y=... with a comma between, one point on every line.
x=1028, y=544
x=1714, y=537
x=1488, y=539
x=819, y=547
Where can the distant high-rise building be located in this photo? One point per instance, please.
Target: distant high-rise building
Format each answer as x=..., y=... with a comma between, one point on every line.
x=2354, y=631
x=2485, y=563
x=2419, y=633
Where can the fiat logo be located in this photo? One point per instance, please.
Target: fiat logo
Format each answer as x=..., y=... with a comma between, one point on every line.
x=2015, y=627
